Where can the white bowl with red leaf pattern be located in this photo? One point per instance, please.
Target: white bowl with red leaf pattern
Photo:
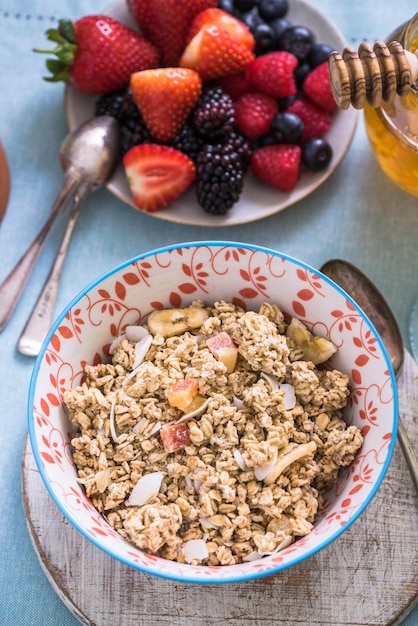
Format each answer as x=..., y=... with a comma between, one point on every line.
x=246, y=275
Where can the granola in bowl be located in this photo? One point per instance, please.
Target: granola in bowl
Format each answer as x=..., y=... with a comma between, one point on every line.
x=212, y=435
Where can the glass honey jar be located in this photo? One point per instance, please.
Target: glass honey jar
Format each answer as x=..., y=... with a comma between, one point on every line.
x=382, y=80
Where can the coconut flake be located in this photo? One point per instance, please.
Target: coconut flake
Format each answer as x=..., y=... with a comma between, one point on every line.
x=197, y=484
x=196, y=413
x=289, y=397
x=283, y=544
x=195, y=549
x=141, y=348
x=136, y=333
x=207, y=524
x=137, y=428
x=145, y=489
x=271, y=380
x=155, y=429
x=240, y=460
x=113, y=432
x=116, y=342
x=238, y=403
x=253, y=556
x=264, y=470
x=189, y=481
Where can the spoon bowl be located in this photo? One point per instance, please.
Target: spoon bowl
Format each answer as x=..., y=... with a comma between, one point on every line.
x=88, y=155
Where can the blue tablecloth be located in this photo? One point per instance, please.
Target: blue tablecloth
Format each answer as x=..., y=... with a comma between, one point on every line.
x=358, y=214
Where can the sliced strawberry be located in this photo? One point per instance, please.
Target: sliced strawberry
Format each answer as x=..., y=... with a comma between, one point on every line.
x=224, y=21
x=165, y=97
x=175, y=437
x=98, y=54
x=277, y=165
x=317, y=87
x=253, y=114
x=157, y=175
x=273, y=74
x=316, y=121
x=166, y=23
x=213, y=53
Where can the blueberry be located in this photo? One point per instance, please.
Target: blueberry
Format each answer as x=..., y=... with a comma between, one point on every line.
x=244, y=5
x=286, y=102
x=301, y=73
x=227, y=6
x=316, y=154
x=265, y=40
x=279, y=26
x=272, y=9
x=320, y=53
x=298, y=40
x=269, y=139
x=287, y=127
x=251, y=19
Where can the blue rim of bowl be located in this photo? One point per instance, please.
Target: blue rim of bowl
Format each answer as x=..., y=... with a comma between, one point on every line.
x=193, y=579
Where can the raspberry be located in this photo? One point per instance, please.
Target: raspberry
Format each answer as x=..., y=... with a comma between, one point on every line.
x=235, y=85
x=277, y=165
x=315, y=120
x=253, y=114
x=273, y=74
x=317, y=88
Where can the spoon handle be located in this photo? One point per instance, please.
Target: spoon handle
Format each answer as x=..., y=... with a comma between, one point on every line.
x=41, y=317
x=12, y=287
x=408, y=452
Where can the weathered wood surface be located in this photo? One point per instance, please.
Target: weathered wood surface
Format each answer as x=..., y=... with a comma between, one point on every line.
x=367, y=576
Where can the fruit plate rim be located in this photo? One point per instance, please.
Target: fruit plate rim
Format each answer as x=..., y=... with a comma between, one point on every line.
x=258, y=201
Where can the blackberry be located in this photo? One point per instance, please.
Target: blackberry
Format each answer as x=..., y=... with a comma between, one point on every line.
x=239, y=144
x=214, y=115
x=187, y=141
x=220, y=178
x=121, y=106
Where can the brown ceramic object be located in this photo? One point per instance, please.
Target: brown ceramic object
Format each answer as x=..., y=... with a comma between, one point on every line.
x=4, y=182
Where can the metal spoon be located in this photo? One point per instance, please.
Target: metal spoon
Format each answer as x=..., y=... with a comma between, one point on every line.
x=369, y=298
x=88, y=156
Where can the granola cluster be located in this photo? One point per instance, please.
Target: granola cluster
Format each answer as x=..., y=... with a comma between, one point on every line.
x=255, y=456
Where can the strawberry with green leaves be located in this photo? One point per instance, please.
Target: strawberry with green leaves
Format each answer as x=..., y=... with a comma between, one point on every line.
x=97, y=54
x=166, y=23
x=165, y=96
x=157, y=175
x=214, y=53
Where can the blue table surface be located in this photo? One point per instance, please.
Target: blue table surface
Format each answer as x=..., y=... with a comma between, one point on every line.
x=358, y=214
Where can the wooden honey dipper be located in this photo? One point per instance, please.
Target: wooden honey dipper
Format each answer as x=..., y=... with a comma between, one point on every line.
x=374, y=74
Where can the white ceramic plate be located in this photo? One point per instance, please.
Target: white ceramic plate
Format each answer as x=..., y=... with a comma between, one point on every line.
x=257, y=200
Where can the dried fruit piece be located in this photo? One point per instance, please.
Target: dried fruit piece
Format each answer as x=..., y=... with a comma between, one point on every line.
x=170, y=322
x=223, y=349
x=315, y=349
x=175, y=437
x=181, y=393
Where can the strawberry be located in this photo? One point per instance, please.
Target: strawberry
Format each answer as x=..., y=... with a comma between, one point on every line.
x=166, y=23
x=277, y=165
x=273, y=74
x=97, y=54
x=157, y=175
x=317, y=87
x=253, y=114
x=164, y=97
x=213, y=53
x=316, y=121
x=224, y=21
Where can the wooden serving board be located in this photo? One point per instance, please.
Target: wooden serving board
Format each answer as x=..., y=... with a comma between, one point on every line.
x=367, y=576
